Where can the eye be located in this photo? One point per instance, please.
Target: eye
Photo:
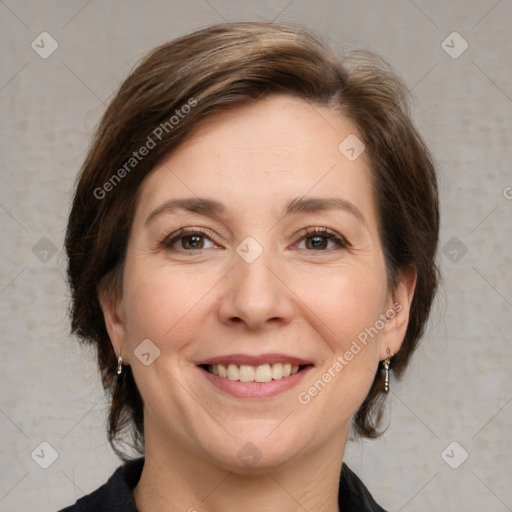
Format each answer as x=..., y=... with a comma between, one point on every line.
x=188, y=239
x=321, y=239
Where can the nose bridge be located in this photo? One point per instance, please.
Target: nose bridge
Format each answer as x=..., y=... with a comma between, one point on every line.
x=255, y=295
x=255, y=277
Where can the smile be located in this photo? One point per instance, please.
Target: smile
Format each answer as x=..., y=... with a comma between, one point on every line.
x=248, y=373
x=254, y=376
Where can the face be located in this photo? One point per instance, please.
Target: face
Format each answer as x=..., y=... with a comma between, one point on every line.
x=255, y=275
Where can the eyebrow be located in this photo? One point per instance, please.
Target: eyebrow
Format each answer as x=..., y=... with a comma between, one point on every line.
x=212, y=207
x=316, y=204
x=192, y=204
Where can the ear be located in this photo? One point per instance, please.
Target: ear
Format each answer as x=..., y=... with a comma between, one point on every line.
x=398, y=313
x=111, y=304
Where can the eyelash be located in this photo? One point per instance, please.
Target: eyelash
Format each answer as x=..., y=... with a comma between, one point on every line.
x=326, y=233
x=308, y=232
x=170, y=240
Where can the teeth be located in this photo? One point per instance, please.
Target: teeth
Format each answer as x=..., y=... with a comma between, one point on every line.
x=223, y=371
x=247, y=373
x=277, y=371
x=233, y=372
x=263, y=373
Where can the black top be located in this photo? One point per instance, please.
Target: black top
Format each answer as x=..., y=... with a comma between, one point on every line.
x=116, y=494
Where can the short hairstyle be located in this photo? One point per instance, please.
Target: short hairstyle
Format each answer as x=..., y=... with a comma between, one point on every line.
x=174, y=89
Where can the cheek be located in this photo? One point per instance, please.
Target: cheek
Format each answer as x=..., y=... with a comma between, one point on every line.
x=345, y=309
x=168, y=307
x=344, y=306
x=345, y=301
x=161, y=303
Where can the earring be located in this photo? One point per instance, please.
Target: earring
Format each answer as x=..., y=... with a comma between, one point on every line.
x=119, y=369
x=386, y=365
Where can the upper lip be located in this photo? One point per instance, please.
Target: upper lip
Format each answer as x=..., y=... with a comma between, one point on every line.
x=254, y=360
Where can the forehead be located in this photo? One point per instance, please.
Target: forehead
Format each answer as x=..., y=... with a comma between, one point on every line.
x=264, y=154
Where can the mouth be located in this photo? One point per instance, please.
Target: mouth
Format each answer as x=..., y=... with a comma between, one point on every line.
x=248, y=373
x=254, y=376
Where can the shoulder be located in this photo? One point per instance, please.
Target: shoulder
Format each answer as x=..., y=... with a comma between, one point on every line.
x=353, y=495
x=115, y=494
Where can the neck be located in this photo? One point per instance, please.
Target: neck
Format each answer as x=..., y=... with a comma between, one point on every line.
x=175, y=479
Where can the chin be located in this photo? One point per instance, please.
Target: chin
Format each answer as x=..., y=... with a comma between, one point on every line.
x=258, y=449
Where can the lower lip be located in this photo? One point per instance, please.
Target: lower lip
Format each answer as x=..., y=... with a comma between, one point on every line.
x=269, y=389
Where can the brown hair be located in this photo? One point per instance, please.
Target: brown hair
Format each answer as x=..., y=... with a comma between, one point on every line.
x=173, y=90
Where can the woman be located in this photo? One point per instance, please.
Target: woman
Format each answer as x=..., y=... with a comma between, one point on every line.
x=252, y=251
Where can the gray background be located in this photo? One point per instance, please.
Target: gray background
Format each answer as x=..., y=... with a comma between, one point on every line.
x=458, y=388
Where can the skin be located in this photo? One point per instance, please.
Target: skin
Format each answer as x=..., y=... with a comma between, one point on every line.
x=304, y=296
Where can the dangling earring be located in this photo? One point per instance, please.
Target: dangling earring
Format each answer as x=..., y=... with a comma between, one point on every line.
x=386, y=364
x=119, y=369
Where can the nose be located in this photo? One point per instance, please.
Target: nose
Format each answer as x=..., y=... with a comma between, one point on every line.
x=256, y=295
